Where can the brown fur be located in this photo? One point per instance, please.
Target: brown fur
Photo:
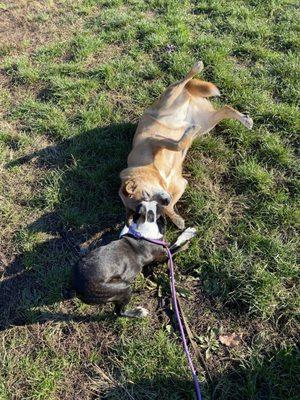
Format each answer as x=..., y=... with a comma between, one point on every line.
x=201, y=88
x=163, y=136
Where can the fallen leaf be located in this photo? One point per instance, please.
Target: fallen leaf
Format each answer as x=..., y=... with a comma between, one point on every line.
x=231, y=340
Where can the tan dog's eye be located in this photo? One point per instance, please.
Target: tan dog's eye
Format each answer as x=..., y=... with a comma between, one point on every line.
x=146, y=195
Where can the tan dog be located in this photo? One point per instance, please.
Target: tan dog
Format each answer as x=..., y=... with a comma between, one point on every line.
x=163, y=136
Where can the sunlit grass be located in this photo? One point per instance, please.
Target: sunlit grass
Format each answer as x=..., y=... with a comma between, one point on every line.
x=69, y=108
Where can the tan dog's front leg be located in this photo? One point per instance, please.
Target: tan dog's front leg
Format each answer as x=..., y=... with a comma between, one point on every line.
x=177, y=190
x=158, y=141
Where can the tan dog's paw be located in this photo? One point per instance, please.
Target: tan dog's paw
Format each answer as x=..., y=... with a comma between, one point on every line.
x=247, y=121
x=198, y=67
x=178, y=221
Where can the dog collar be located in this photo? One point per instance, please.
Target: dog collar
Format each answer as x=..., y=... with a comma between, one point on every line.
x=134, y=233
x=138, y=236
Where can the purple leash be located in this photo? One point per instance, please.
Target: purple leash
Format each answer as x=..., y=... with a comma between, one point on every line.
x=137, y=235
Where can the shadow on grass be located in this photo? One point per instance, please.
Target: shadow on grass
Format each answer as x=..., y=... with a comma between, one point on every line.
x=160, y=387
x=270, y=376
x=81, y=189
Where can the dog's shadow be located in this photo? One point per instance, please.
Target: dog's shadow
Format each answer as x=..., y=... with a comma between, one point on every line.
x=82, y=193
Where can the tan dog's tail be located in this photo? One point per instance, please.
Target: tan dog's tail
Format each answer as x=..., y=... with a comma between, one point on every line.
x=196, y=87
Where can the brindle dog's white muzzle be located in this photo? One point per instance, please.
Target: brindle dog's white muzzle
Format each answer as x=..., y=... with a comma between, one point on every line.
x=145, y=222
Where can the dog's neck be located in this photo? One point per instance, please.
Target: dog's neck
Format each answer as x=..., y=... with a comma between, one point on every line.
x=148, y=230
x=146, y=221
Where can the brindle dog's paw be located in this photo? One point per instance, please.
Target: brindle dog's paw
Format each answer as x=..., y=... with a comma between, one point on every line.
x=138, y=312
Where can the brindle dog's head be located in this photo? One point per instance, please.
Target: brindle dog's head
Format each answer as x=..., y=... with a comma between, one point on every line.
x=149, y=216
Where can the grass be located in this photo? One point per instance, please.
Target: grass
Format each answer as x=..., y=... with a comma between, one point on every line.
x=75, y=77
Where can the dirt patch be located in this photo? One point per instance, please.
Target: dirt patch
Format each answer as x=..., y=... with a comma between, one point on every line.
x=29, y=24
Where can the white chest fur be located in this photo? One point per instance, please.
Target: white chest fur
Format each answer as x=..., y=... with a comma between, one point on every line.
x=147, y=229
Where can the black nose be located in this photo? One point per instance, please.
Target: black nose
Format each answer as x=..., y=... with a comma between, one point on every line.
x=165, y=200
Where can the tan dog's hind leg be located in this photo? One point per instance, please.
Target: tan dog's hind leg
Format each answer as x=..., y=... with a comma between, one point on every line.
x=173, y=91
x=198, y=67
x=225, y=113
x=177, y=191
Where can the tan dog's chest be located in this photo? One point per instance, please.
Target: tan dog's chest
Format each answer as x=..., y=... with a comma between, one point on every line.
x=168, y=164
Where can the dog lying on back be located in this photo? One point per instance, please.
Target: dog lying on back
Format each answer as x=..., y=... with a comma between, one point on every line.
x=106, y=273
x=164, y=134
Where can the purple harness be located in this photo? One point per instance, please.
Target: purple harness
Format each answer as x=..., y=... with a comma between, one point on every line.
x=137, y=235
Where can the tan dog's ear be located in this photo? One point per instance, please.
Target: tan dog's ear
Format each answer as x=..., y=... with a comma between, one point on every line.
x=129, y=188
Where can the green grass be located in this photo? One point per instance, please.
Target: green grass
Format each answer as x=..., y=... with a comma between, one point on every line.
x=71, y=92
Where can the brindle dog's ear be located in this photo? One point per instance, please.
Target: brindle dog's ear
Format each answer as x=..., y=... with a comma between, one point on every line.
x=139, y=209
x=140, y=213
x=161, y=219
x=135, y=217
x=146, y=195
x=162, y=224
x=129, y=217
x=159, y=210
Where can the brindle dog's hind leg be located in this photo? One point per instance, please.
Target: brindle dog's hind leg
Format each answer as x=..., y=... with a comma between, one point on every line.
x=138, y=312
